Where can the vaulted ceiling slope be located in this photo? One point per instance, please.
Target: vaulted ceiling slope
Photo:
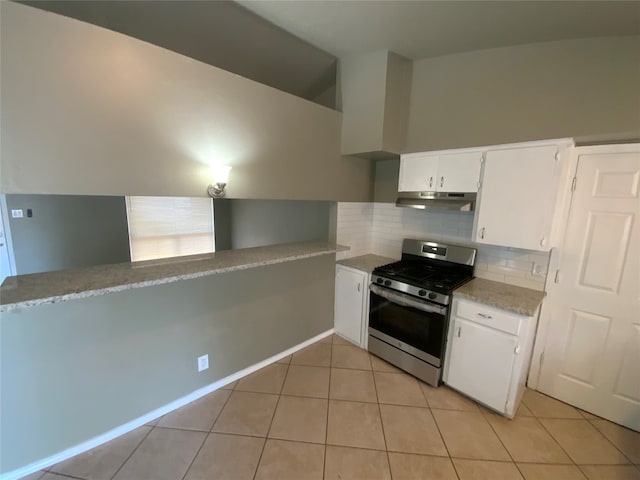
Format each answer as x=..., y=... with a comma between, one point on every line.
x=421, y=29
x=294, y=45
x=220, y=33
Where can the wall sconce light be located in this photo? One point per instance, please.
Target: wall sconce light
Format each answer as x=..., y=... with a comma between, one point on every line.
x=220, y=178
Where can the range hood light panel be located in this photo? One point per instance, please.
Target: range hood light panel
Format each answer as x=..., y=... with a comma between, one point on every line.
x=461, y=202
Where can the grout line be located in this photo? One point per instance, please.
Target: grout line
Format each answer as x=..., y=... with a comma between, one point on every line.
x=220, y=412
x=275, y=410
x=513, y=460
x=564, y=418
x=326, y=426
x=446, y=447
x=553, y=437
x=204, y=440
x=134, y=451
x=183, y=429
x=61, y=475
x=206, y=437
x=384, y=436
x=614, y=445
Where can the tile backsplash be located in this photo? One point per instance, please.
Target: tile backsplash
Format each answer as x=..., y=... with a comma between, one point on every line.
x=379, y=228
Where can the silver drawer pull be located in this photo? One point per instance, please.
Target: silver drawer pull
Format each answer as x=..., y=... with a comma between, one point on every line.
x=484, y=315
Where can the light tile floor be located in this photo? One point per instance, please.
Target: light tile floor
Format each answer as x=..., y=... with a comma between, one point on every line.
x=333, y=411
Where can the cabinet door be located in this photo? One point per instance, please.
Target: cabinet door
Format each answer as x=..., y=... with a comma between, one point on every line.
x=348, y=312
x=418, y=173
x=459, y=172
x=481, y=362
x=517, y=197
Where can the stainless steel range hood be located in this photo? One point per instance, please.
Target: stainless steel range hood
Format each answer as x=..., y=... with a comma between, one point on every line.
x=461, y=202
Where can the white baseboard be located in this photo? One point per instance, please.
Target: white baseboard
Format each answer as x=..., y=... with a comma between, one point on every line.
x=158, y=412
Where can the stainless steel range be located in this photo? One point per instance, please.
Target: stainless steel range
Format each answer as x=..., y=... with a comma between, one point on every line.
x=409, y=305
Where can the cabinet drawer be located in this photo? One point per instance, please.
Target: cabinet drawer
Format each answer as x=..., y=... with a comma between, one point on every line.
x=491, y=317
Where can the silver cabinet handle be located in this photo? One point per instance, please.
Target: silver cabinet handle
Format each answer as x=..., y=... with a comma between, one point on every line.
x=484, y=315
x=482, y=233
x=459, y=331
x=431, y=182
x=441, y=181
x=358, y=287
x=543, y=241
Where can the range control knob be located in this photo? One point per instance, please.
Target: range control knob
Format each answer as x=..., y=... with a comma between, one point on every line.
x=422, y=293
x=379, y=280
x=432, y=296
x=387, y=282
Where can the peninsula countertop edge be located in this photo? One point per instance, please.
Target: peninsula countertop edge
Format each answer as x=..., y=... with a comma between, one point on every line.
x=24, y=291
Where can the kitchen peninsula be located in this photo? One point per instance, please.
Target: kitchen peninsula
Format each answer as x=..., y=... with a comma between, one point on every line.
x=131, y=353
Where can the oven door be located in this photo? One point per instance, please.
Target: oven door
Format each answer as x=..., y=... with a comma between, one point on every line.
x=415, y=326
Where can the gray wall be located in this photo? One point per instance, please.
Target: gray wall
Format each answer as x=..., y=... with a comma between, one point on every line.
x=223, y=34
x=581, y=88
x=222, y=223
x=256, y=223
x=89, y=111
x=68, y=231
x=386, y=181
x=73, y=370
x=362, y=99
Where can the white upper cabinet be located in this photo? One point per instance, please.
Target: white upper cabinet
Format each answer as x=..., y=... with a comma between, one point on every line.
x=518, y=196
x=440, y=172
x=459, y=172
x=418, y=173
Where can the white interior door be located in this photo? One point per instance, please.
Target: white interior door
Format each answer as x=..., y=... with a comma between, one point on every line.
x=592, y=343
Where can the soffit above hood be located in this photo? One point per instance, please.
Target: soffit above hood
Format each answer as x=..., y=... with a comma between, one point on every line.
x=375, y=91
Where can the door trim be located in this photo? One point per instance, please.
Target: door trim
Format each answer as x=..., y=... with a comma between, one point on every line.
x=561, y=218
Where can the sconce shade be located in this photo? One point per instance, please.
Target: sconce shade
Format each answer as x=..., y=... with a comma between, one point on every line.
x=220, y=173
x=220, y=176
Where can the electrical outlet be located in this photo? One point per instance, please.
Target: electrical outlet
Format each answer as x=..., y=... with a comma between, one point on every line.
x=203, y=362
x=537, y=270
x=17, y=213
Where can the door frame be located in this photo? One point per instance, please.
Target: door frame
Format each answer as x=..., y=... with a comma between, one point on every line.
x=561, y=221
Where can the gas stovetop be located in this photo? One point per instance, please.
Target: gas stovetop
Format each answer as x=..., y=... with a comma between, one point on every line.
x=420, y=274
x=428, y=270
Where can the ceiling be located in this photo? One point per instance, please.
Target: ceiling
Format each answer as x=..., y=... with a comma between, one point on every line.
x=421, y=29
x=294, y=45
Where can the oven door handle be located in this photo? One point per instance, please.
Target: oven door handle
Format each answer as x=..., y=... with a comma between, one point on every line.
x=406, y=300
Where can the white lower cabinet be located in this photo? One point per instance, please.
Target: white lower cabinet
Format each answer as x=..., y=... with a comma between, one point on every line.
x=488, y=354
x=351, y=309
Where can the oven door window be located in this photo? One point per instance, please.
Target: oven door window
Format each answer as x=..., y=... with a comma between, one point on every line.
x=421, y=330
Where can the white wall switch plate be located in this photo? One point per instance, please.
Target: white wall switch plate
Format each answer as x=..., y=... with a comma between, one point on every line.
x=17, y=213
x=203, y=362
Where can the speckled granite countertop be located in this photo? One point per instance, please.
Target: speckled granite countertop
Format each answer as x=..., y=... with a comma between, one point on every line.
x=366, y=263
x=523, y=301
x=25, y=291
